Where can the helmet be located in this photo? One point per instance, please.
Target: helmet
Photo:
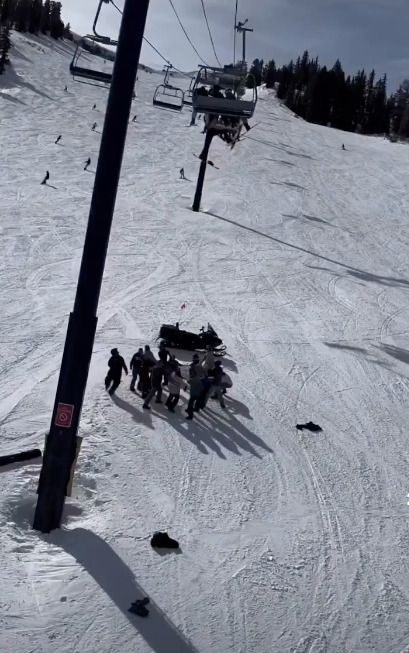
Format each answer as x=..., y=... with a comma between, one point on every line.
x=114, y=351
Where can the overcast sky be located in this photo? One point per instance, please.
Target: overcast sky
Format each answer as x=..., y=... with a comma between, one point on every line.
x=361, y=33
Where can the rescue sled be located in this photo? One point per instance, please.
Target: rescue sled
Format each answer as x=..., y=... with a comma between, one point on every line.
x=180, y=339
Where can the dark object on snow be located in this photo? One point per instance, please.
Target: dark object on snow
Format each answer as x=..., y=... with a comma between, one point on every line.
x=175, y=337
x=163, y=541
x=310, y=426
x=139, y=607
x=46, y=178
x=19, y=457
x=87, y=163
x=58, y=139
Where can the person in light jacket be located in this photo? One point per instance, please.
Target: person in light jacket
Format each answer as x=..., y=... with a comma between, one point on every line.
x=175, y=383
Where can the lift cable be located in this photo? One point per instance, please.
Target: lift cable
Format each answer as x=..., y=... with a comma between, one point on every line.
x=210, y=34
x=153, y=47
x=186, y=34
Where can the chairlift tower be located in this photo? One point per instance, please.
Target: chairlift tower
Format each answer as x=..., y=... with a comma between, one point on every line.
x=61, y=446
x=243, y=30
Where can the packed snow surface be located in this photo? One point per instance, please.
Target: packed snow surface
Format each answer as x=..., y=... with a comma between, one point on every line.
x=291, y=541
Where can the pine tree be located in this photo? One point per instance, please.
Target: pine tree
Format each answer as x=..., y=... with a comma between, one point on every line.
x=255, y=73
x=5, y=45
x=67, y=32
x=22, y=15
x=270, y=74
x=45, y=17
x=7, y=11
x=35, y=16
x=56, y=24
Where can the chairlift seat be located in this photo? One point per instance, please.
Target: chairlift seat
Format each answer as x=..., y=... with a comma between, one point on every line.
x=223, y=106
x=168, y=97
x=88, y=73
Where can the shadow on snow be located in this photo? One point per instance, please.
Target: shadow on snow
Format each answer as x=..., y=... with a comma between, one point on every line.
x=116, y=579
x=354, y=272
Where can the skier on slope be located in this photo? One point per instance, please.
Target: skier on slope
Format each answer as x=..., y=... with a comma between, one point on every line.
x=57, y=139
x=46, y=178
x=115, y=364
x=87, y=163
x=93, y=128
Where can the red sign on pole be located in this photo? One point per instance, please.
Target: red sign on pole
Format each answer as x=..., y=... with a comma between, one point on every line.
x=64, y=415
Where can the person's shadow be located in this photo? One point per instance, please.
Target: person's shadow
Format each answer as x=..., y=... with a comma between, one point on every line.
x=140, y=416
x=119, y=583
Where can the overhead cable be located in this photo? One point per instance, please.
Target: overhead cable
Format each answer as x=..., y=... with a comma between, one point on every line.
x=210, y=34
x=153, y=47
x=186, y=34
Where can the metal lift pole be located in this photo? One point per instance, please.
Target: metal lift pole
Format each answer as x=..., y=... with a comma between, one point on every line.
x=240, y=28
x=202, y=170
x=61, y=442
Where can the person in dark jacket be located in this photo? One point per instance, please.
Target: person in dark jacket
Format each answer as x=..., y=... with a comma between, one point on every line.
x=156, y=381
x=87, y=163
x=135, y=365
x=144, y=385
x=116, y=364
x=217, y=387
x=147, y=355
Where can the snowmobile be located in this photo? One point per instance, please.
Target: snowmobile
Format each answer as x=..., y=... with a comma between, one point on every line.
x=172, y=336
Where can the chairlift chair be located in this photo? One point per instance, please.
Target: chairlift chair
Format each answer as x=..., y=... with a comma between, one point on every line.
x=85, y=74
x=167, y=96
x=90, y=75
x=226, y=79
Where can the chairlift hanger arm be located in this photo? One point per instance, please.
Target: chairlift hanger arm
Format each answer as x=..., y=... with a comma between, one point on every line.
x=103, y=39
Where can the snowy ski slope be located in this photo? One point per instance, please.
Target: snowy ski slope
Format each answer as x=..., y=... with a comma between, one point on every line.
x=291, y=541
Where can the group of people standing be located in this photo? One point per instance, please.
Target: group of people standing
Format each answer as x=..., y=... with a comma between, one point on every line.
x=150, y=374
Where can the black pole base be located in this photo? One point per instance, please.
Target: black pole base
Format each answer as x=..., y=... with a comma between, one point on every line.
x=202, y=171
x=60, y=449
